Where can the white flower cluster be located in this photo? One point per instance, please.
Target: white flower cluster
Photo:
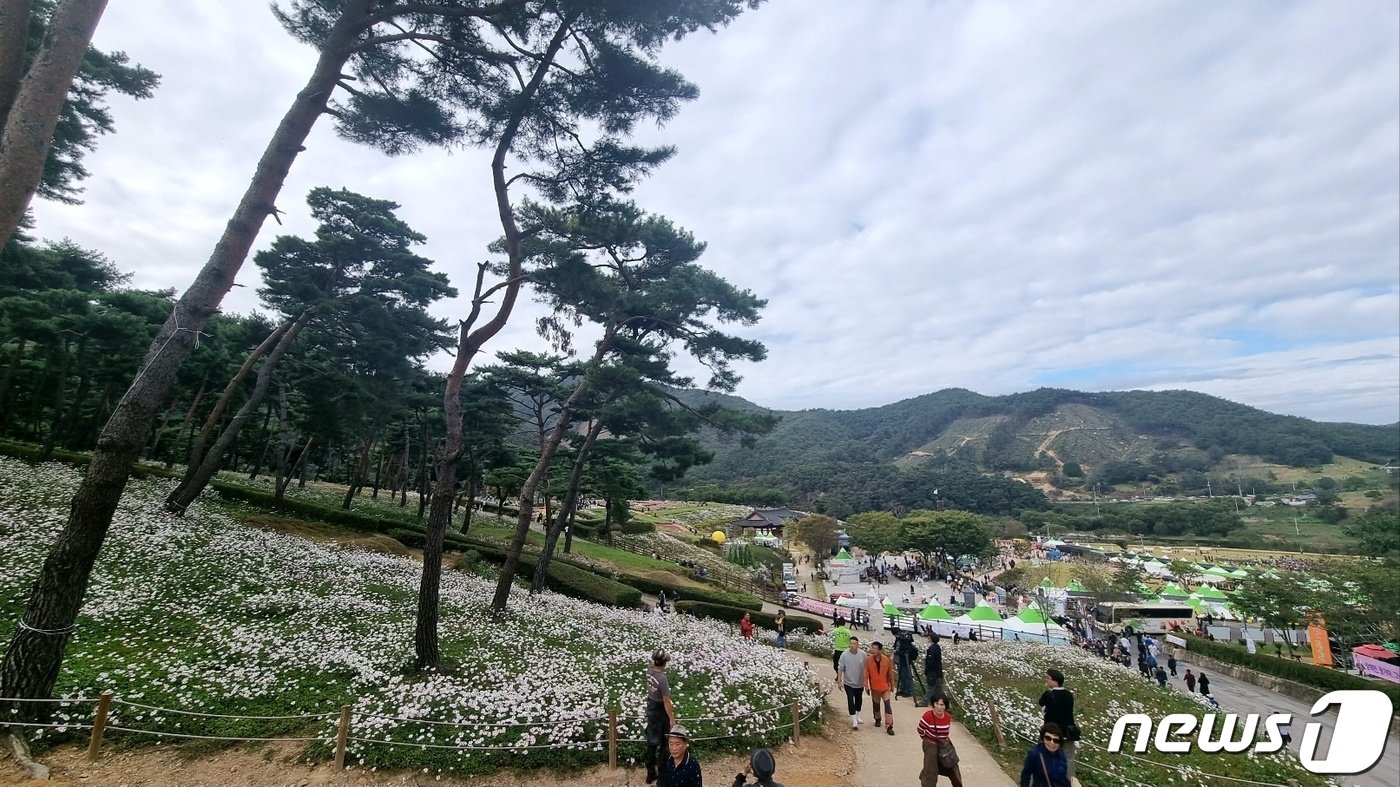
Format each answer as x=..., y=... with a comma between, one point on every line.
x=201, y=613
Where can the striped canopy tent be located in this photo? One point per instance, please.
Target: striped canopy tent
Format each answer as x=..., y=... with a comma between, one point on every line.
x=934, y=612
x=1172, y=591
x=1075, y=586
x=1211, y=594
x=891, y=609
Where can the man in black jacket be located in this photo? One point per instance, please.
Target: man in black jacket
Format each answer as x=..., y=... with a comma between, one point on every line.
x=1058, y=704
x=933, y=670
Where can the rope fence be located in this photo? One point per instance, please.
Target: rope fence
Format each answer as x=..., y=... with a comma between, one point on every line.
x=340, y=737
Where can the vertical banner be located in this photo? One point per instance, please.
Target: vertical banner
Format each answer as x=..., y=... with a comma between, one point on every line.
x=1317, y=637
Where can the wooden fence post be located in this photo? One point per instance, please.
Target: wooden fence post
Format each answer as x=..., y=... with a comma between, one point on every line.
x=796, y=723
x=99, y=723
x=612, y=737
x=342, y=736
x=996, y=724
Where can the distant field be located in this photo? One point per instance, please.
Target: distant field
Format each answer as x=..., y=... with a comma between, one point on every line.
x=1343, y=467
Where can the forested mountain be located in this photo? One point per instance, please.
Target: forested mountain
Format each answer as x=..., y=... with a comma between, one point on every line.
x=1047, y=435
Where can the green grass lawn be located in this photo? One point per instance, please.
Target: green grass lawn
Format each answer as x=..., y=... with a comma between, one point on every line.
x=598, y=552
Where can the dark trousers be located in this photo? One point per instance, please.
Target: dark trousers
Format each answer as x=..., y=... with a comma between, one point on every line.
x=853, y=698
x=655, y=735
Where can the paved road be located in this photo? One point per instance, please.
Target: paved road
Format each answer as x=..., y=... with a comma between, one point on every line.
x=1236, y=696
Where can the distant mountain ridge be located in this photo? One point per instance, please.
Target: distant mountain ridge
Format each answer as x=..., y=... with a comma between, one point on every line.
x=1047, y=430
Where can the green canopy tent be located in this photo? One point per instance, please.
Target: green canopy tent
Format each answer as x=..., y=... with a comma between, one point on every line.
x=1032, y=614
x=934, y=612
x=1212, y=594
x=1075, y=586
x=984, y=613
x=891, y=609
x=1173, y=591
x=1217, y=571
x=1047, y=584
x=1239, y=573
x=842, y=555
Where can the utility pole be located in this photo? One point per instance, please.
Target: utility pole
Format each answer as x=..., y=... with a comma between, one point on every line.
x=1097, y=513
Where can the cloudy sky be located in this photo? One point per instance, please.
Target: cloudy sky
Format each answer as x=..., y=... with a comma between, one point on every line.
x=997, y=196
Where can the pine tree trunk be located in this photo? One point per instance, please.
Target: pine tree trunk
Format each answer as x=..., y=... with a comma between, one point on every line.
x=537, y=476
x=378, y=471
x=211, y=424
x=427, y=654
x=183, y=495
x=566, y=506
x=267, y=444
x=9, y=379
x=298, y=468
x=33, y=114
x=187, y=424
x=14, y=34
x=471, y=503
x=358, y=475
x=63, y=368
x=569, y=529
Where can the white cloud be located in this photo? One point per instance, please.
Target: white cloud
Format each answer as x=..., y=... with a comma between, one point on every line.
x=993, y=195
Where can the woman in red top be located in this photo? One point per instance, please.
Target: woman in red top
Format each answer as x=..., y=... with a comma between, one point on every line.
x=746, y=626
x=940, y=758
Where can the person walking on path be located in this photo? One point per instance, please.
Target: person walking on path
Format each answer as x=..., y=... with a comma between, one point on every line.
x=1171, y=663
x=1204, y=683
x=933, y=670
x=1190, y=681
x=840, y=638
x=1046, y=764
x=781, y=623
x=681, y=769
x=850, y=673
x=746, y=626
x=661, y=714
x=1161, y=675
x=1058, y=704
x=935, y=735
x=879, y=681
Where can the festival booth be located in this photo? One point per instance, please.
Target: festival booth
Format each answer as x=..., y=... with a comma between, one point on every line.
x=1173, y=592
x=1155, y=567
x=1377, y=661
x=983, y=618
x=843, y=568
x=1034, y=625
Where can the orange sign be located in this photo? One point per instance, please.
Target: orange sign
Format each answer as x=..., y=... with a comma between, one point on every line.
x=1317, y=637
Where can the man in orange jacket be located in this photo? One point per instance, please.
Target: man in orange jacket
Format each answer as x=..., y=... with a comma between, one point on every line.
x=879, y=681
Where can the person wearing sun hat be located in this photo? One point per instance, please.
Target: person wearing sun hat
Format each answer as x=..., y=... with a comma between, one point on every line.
x=681, y=769
x=762, y=765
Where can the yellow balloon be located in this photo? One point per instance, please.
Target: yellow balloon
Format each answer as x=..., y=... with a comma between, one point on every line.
x=717, y=536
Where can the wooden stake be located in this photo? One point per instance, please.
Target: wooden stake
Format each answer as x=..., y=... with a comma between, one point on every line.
x=996, y=724
x=612, y=737
x=99, y=723
x=342, y=736
x=796, y=723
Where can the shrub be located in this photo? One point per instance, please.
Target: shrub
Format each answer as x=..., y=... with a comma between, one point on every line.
x=352, y=520
x=703, y=609
x=1306, y=674
x=690, y=593
x=633, y=527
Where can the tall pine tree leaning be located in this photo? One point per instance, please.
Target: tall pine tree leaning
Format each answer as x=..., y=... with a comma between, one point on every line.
x=590, y=66
x=465, y=40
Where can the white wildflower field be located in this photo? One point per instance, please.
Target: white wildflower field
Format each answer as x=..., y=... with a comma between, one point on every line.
x=1011, y=675
x=204, y=615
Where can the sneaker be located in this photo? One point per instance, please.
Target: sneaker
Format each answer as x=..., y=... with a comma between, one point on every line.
x=877, y=722
x=855, y=723
x=889, y=730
